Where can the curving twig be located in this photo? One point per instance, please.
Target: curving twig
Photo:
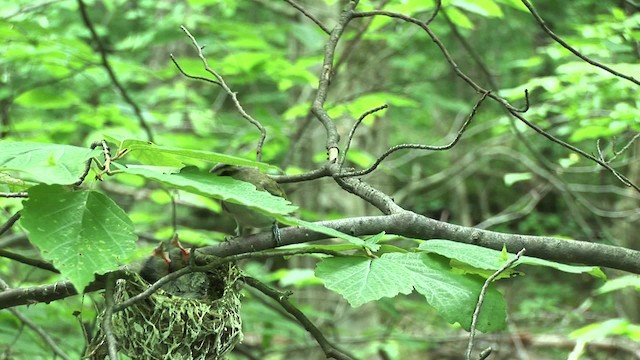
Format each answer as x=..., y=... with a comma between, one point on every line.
x=575, y=52
x=112, y=75
x=510, y=108
x=483, y=292
x=330, y=350
x=353, y=131
x=234, y=96
x=307, y=14
x=420, y=146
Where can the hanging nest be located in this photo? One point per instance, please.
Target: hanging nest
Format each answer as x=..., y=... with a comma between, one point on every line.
x=196, y=316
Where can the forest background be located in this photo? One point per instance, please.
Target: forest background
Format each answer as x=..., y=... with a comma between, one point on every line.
x=77, y=72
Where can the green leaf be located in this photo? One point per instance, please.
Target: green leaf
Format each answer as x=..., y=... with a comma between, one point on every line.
x=362, y=279
x=328, y=231
x=620, y=283
x=45, y=163
x=489, y=259
x=152, y=154
x=220, y=187
x=604, y=329
x=81, y=232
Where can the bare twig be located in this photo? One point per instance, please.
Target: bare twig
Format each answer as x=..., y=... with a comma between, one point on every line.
x=28, y=261
x=231, y=93
x=510, y=108
x=325, y=79
x=111, y=73
x=307, y=14
x=483, y=291
x=311, y=175
x=420, y=146
x=201, y=78
x=19, y=194
x=575, y=52
x=33, y=326
x=435, y=12
x=7, y=225
x=626, y=147
x=330, y=350
x=353, y=131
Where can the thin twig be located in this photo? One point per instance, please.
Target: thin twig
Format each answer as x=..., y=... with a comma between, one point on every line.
x=483, y=292
x=353, y=131
x=435, y=12
x=111, y=73
x=231, y=93
x=7, y=225
x=330, y=350
x=33, y=326
x=40, y=264
x=19, y=194
x=624, y=148
x=201, y=78
x=311, y=17
x=575, y=52
x=512, y=110
x=420, y=146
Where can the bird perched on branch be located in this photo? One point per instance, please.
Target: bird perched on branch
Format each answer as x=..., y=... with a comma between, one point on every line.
x=246, y=217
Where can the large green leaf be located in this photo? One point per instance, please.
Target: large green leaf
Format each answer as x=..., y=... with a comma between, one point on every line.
x=240, y=192
x=81, y=232
x=489, y=259
x=219, y=187
x=44, y=163
x=454, y=296
x=152, y=154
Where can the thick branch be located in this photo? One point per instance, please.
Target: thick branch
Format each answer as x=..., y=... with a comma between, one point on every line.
x=402, y=223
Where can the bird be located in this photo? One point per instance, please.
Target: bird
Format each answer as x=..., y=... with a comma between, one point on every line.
x=246, y=217
x=166, y=258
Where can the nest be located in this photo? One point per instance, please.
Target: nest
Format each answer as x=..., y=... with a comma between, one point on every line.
x=194, y=317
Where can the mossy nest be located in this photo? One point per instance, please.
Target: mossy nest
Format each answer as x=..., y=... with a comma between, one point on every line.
x=194, y=317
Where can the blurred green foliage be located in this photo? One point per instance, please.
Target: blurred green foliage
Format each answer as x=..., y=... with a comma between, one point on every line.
x=54, y=89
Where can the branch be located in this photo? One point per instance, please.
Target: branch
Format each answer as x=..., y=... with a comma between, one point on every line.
x=402, y=223
x=419, y=146
x=325, y=79
x=220, y=81
x=330, y=351
x=353, y=130
x=33, y=326
x=483, y=291
x=40, y=264
x=7, y=225
x=575, y=52
x=112, y=75
x=311, y=17
x=510, y=108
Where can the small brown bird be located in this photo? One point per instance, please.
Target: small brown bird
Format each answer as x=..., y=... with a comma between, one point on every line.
x=244, y=216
